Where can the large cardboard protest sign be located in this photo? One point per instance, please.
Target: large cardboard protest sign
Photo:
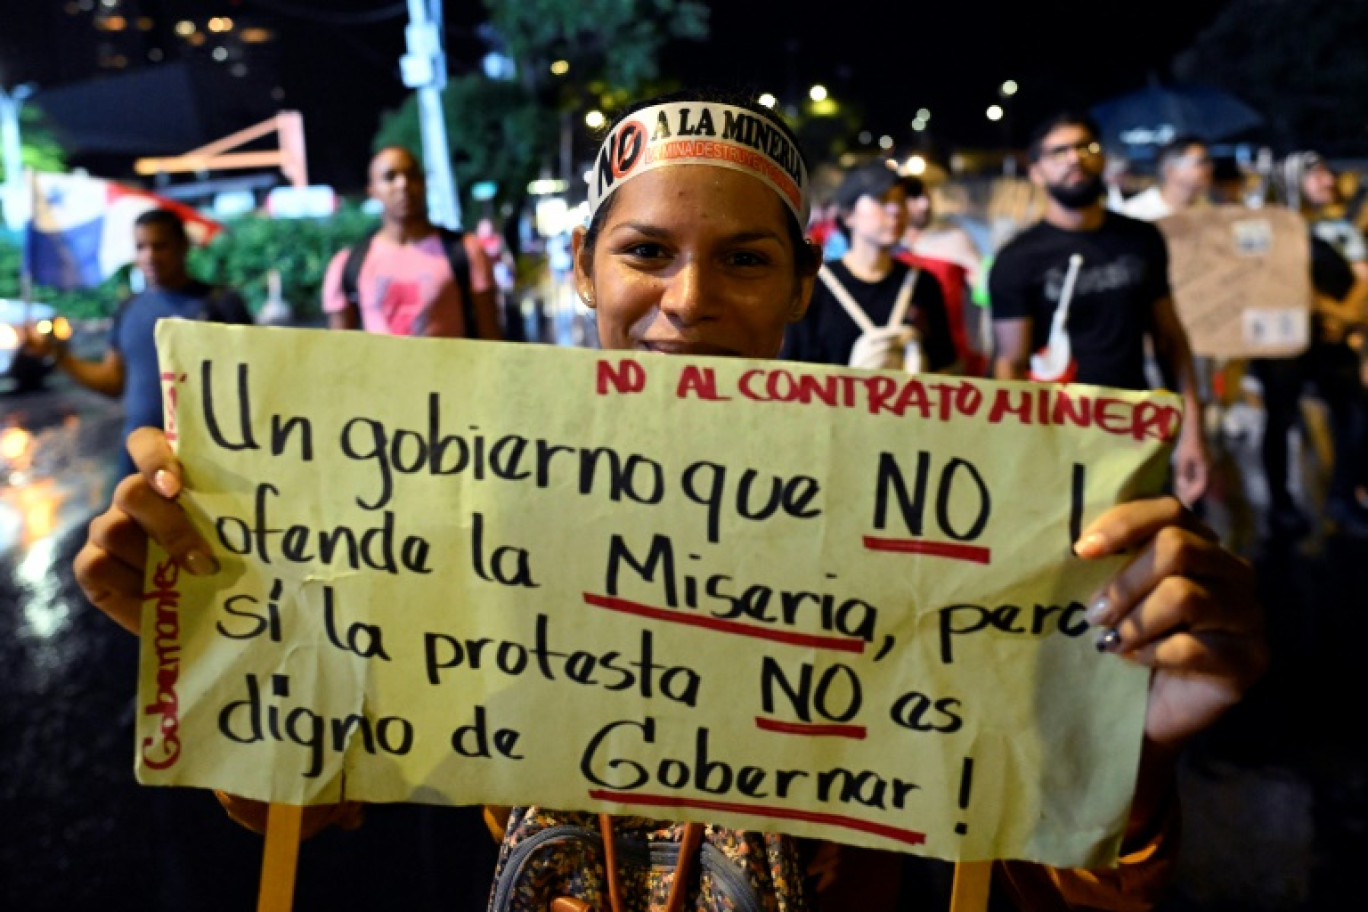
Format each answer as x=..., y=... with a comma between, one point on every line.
x=1241, y=280
x=813, y=600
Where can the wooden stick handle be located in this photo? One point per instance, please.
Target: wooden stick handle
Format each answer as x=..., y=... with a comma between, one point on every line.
x=970, y=890
x=280, y=858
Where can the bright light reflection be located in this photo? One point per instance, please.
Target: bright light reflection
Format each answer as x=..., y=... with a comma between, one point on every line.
x=44, y=614
x=818, y=93
x=995, y=112
x=767, y=100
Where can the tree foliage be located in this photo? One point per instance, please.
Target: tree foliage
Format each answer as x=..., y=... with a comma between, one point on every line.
x=240, y=256
x=508, y=132
x=616, y=42
x=252, y=245
x=1299, y=62
x=38, y=147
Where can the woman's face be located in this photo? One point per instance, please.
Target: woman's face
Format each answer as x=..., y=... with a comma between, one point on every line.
x=693, y=259
x=1320, y=186
x=879, y=221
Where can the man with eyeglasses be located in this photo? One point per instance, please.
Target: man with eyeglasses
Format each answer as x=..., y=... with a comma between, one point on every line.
x=1115, y=270
x=1184, y=169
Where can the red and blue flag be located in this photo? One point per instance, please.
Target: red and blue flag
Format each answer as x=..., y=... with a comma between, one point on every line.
x=81, y=231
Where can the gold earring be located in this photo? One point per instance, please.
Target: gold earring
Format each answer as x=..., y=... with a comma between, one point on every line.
x=587, y=297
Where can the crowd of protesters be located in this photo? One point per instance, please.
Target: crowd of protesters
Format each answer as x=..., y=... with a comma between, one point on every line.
x=1079, y=292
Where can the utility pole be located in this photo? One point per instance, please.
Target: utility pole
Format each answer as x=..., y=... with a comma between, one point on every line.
x=16, y=195
x=424, y=69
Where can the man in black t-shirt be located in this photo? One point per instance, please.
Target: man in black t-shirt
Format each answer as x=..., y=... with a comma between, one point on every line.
x=872, y=214
x=1119, y=290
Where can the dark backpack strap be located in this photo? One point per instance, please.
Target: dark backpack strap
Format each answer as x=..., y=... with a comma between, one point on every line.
x=215, y=307
x=453, y=242
x=351, y=272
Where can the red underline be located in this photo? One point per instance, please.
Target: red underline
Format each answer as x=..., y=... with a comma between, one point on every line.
x=857, y=732
x=841, y=644
x=972, y=553
x=911, y=837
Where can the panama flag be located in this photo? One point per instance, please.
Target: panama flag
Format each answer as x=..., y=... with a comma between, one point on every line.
x=81, y=231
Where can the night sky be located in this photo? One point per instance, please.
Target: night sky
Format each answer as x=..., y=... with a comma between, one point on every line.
x=951, y=55
x=892, y=58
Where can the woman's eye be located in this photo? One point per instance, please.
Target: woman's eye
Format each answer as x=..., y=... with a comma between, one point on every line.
x=644, y=251
x=748, y=258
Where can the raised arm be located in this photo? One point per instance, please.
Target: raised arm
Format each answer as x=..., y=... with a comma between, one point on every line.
x=1174, y=355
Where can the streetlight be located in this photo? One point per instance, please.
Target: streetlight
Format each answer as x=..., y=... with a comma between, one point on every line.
x=424, y=69
x=823, y=105
x=1006, y=92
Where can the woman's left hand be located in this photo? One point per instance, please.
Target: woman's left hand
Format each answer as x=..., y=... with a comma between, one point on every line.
x=1183, y=606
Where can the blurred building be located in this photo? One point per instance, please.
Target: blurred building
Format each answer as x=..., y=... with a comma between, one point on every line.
x=121, y=79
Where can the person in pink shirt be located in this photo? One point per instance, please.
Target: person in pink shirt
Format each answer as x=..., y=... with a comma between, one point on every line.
x=405, y=286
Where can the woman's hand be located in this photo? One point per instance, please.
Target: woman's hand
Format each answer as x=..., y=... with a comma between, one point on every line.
x=1184, y=606
x=346, y=815
x=110, y=567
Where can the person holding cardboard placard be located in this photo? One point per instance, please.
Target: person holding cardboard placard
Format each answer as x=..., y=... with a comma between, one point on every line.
x=697, y=249
x=1185, y=169
x=1336, y=359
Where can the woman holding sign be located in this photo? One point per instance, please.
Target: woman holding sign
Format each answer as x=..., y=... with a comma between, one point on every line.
x=696, y=247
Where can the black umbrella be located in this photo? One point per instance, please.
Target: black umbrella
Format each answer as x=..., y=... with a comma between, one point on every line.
x=1140, y=121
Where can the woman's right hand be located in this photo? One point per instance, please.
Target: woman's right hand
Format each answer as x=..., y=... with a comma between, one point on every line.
x=110, y=567
x=346, y=815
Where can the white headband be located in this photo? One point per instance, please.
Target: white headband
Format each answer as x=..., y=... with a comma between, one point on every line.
x=701, y=132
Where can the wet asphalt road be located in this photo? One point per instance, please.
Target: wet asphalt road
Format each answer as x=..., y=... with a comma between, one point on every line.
x=76, y=832
x=1275, y=797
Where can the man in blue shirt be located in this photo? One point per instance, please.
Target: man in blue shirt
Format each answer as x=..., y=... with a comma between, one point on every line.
x=129, y=367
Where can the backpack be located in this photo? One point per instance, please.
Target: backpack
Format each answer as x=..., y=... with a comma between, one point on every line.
x=223, y=305
x=453, y=242
x=559, y=861
x=909, y=358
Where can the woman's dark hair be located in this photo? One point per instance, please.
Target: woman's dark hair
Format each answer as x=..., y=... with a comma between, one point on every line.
x=806, y=257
